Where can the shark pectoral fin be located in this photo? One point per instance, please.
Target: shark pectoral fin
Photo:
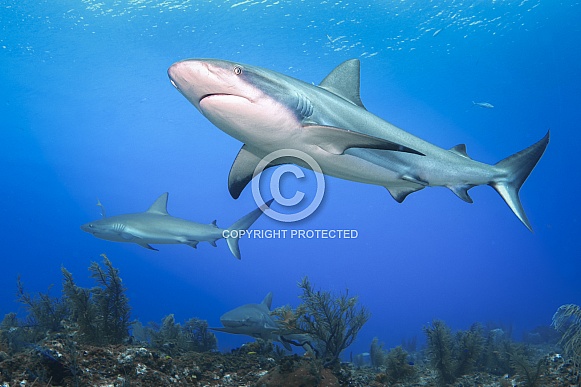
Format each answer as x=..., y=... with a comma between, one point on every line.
x=145, y=245
x=336, y=140
x=462, y=192
x=242, y=170
x=127, y=236
x=400, y=193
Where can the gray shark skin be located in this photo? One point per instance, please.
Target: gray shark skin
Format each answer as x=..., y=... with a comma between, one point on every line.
x=269, y=111
x=156, y=226
x=254, y=320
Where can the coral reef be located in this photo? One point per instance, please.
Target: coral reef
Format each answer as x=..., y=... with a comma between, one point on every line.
x=101, y=314
x=331, y=322
x=173, y=338
x=397, y=367
x=567, y=320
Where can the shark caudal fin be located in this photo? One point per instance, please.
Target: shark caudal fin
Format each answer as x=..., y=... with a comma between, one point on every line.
x=243, y=224
x=516, y=169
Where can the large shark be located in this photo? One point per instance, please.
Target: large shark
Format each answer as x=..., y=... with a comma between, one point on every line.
x=269, y=111
x=156, y=226
x=255, y=320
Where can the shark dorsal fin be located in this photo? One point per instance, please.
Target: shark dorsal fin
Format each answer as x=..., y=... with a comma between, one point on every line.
x=344, y=81
x=460, y=150
x=159, y=206
x=267, y=300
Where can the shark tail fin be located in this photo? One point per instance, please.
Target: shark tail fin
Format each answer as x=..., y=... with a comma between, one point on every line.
x=243, y=224
x=516, y=169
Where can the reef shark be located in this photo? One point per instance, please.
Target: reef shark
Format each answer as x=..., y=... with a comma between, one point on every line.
x=269, y=111
x=156, y=226
x=255, y=320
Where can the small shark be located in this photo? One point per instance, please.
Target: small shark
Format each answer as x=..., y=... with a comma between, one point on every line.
x=485, y=105
x=269, y=111
x=156, y=226
x=255, y=320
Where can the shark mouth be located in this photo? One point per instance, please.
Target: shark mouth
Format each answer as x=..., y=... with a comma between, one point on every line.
x=219, y=96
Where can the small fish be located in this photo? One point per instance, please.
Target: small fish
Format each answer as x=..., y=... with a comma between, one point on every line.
x=483, y=104
x=437, y=32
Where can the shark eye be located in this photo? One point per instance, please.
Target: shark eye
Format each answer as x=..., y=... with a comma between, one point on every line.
x=237, y=70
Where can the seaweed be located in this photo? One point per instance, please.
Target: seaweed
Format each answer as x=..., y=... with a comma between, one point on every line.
x=397, y=366
x=45, y=313
x=440, y=344
x=332, y=321
x=520, y=362
x=113, y=310
x=469, y=346
x=100, y=314
x=173, y=338
x=567, y=320
x=376, y=353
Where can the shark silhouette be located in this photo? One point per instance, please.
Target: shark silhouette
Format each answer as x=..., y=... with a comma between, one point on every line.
x=156, y=226
x=269, y=111
x=255, y=320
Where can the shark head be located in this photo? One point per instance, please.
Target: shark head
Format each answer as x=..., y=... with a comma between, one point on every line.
x=250, y=319
x=244, y=101
x=109, y=229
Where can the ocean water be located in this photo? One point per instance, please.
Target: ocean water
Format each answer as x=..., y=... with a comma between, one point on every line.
x=87, y=111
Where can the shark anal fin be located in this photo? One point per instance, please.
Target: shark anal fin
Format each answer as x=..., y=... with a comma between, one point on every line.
x=336, y=140
x=400, y=193
x=460, y=150
x=213, y=243
x=462, y=192
x=344, y=81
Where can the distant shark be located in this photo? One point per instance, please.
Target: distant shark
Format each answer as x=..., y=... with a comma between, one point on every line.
x=269, y=111
x=156, y=226
x=255, y=320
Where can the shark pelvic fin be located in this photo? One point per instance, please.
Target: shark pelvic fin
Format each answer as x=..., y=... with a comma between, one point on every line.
x=460, y=150
x=336, y=140
x=515, y=170
x=159, y=206
x=344, y=81
x=400, y=193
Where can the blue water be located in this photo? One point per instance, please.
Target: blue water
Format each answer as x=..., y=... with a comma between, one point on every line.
x=87, y=111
